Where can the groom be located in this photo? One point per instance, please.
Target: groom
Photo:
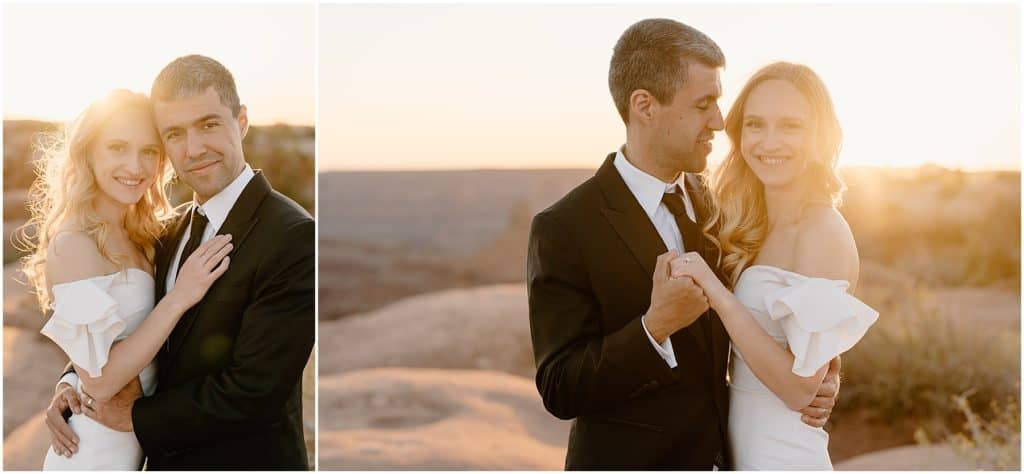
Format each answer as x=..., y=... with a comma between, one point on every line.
x=633, y=356
x=229, y=394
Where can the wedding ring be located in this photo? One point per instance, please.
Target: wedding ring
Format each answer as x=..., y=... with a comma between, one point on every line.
x=687, y=260
x=88, y=402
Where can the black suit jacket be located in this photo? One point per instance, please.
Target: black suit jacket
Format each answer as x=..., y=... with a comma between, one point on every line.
x=229, y=394
x=589, y=274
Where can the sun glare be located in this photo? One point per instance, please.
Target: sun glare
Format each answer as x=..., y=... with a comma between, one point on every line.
x=57, y=59
x=524, y=86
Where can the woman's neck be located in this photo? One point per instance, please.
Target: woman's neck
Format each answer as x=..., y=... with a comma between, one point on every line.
x=784, y=204
x=111, y=213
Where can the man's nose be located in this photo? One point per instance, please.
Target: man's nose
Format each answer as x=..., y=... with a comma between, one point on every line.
x=717, y=123
x=194, y=145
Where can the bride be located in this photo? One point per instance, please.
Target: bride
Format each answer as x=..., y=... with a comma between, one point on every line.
x=790, y=259
x=99, y=207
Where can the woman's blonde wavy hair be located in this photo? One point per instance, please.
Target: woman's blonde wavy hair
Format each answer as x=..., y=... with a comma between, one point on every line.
x=64, y=192
x=738, y=222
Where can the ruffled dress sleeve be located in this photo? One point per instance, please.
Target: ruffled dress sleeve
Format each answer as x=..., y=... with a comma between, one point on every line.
x=820, y=320
x=85, y=322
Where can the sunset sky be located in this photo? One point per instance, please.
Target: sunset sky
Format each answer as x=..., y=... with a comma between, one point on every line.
x=57, y=59
x=525, y=86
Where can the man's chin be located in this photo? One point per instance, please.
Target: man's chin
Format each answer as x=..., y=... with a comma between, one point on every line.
x=204, y=188
x=694, y=162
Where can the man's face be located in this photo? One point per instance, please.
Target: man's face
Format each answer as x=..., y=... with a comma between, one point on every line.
x=685, y=126
x=203, y=141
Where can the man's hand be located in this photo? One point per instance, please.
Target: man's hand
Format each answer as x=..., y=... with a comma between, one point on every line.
x=115, y=413
x=818, y=412
x=62, y=437
x=675, y=302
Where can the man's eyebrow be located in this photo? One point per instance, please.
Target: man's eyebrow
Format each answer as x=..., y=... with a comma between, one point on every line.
x=196, y=121
x=708, y=97
x=205, y=118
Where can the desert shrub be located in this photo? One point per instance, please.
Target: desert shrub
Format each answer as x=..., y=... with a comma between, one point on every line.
x=915, y=358
x=993, y=443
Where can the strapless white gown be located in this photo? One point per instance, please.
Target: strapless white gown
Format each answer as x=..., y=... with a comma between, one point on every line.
x=89, y=315
x=816, y=319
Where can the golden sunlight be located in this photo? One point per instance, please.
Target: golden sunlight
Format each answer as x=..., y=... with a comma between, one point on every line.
x=58, y=59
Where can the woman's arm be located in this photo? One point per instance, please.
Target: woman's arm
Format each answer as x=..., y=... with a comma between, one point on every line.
x=827, y=251
x=75, y=257
x=772, y=364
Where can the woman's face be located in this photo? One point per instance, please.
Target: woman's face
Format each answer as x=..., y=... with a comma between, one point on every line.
x=777, y=138
x=126, y=155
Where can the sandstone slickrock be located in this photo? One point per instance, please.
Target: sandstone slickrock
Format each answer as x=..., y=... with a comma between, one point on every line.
x=31, y=366
x=907, y=458
x=25, y=447
x=483, y=328
x=394, y=418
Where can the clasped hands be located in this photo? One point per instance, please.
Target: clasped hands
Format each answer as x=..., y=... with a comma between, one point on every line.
x=684, y=288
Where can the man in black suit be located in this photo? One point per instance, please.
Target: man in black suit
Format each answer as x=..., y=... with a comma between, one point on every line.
x=632, y=355
x=229, y=391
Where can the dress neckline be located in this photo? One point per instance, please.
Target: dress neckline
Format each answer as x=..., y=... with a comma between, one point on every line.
x=126, y=270
x=774, y=267
x=790, y=272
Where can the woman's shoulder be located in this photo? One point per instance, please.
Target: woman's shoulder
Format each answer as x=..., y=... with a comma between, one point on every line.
x=825, y=246
x=72, y=255
x=820, y=219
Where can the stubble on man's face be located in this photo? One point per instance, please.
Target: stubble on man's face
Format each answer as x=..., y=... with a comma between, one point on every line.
x=688, y=122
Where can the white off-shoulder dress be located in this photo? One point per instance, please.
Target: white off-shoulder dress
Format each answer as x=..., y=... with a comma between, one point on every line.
x=816, y=319
x=89, y=315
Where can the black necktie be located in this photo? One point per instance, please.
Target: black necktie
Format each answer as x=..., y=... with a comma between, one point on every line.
x=693, y=241
x=194, y=239
x=692, y=237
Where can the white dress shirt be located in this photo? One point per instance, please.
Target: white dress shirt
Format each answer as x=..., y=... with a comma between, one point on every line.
x=648, y=191
x=216, y=210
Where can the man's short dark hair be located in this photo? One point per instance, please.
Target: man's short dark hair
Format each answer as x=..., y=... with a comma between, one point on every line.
x=653, y=55
x=190, y=75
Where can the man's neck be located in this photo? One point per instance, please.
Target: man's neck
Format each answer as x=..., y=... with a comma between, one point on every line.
x=643, y=158
x=202, y=199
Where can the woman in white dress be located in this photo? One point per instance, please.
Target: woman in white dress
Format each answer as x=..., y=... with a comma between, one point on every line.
x=98, y=207
x=791, y=261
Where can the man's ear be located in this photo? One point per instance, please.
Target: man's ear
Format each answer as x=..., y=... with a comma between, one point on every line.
x=641, y=105
x=243, y=120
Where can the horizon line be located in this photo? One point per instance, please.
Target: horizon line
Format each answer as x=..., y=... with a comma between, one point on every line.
x=473, y=169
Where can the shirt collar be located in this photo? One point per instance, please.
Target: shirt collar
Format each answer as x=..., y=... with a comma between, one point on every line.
x=216, y=208
x=647, y=189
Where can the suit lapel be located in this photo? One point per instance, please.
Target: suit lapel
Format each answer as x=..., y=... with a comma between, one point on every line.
x=168, y=246
x=629, y=219
x=239, y=224
x=638, y=232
